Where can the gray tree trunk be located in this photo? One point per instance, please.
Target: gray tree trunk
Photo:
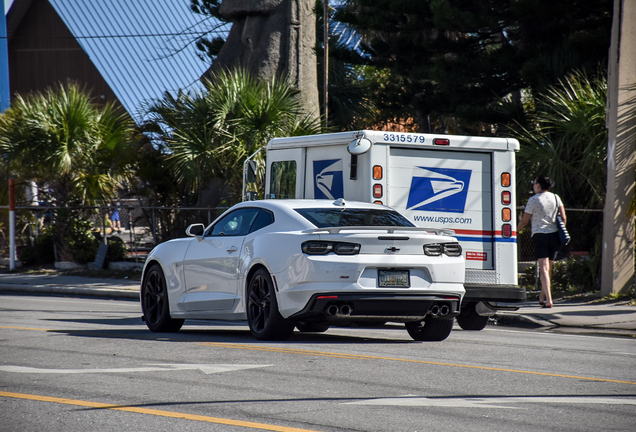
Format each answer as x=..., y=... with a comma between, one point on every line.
x=618, y=229
x=273, y=38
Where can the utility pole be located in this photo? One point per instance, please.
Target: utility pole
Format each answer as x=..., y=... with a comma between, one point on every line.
x=5, y=93
x=325, y=90
x=617, y=273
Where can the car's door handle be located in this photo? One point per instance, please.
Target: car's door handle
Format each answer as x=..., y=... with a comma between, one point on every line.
x=231, y=249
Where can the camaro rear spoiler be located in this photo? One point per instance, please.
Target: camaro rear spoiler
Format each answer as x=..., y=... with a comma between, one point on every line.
x=388, y=229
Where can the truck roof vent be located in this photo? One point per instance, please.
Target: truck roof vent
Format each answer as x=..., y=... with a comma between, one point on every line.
x=339, y=202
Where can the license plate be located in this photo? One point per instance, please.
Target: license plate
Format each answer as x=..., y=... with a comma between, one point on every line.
x=393, y=278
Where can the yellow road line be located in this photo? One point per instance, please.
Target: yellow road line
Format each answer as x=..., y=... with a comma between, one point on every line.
x=24, y=328
x=368, y=357
x=161, y=413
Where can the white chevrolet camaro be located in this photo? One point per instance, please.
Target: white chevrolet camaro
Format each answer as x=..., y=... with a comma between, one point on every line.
x=306, y=264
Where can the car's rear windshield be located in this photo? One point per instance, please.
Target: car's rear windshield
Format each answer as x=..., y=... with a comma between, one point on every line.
x=326, y=218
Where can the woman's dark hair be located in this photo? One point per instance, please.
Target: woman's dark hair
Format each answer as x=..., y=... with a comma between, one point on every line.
x=545, y=182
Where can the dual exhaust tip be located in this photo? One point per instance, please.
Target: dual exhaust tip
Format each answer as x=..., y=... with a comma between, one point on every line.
x=439, y=311
x=436, y=311
x=339, y=310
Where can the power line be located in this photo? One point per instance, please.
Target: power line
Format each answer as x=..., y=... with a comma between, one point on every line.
x=125, y=36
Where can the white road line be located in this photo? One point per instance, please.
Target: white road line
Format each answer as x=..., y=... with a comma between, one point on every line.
x=205, y=368
x=490, y=402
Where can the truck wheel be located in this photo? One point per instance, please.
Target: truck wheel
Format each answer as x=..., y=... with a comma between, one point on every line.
x=312, y=327
x=430, y=329
x=469, y=319
x=154, y=302
x=265, y=322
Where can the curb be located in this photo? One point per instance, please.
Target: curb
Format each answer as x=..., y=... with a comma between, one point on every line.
x=109, y=293
x=507, y=319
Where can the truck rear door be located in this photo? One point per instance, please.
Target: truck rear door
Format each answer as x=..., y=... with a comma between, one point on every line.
x=446, y=189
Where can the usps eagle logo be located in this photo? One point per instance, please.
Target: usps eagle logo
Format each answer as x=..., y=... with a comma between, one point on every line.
x=438, y=189
x=328, y=179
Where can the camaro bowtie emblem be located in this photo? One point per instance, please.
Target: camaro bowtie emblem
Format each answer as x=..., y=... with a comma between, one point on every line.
x=391, y=249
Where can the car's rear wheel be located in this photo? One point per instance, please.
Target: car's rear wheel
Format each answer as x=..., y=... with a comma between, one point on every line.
x=154, y=302
x=430, y=329
x=469, y=319
x=265, y=322
x=312, y=327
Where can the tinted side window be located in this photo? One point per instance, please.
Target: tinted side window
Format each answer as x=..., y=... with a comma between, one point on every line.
x=237, y=223
x=263, y=219
x=283, y=180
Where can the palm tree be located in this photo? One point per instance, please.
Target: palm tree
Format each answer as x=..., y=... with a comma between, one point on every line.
x=207, y=134
x=567, y=140
x=74, y=149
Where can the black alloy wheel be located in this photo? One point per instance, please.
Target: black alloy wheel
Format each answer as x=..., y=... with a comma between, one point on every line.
x=154, y=302
x=265, y=322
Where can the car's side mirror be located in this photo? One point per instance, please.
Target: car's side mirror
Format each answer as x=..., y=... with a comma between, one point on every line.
x=195, y=230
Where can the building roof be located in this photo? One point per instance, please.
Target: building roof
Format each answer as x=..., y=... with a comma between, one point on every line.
x=142, y=48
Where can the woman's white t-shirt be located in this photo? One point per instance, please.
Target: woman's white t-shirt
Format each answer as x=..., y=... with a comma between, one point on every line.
x=543, y=207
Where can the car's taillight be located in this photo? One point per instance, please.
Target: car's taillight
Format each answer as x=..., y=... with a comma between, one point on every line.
x=317, y=248
x=433, y=249
x=452, y=249
x=346, y=248
x=436, y=249
x=322, y=248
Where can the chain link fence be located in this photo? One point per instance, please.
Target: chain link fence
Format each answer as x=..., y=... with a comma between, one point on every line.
x=584, y=225
x=143, y=227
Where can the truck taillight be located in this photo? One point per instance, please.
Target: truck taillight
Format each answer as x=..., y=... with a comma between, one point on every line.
x=506, y=230
x=505, y=179
x=377, y=172
x=506, y=198
x=506, y=214
x=441, y=141
x=377, y=191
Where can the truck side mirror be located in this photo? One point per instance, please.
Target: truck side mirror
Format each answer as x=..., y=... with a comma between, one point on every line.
x=251, y=171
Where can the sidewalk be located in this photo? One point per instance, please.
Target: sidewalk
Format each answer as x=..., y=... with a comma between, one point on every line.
x=69, y=285
x=618, y=318
x=615, y=318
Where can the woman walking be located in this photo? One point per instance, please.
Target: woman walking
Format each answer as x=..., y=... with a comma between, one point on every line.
x=541, y=211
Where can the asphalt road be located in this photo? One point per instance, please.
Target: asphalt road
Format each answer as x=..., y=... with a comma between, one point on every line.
x=70, y=364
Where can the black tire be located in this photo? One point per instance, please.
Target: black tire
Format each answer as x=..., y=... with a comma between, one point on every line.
x=469, y=319
x=430, y=329
x=312, y=327
x=265, y=322
x=154, y=302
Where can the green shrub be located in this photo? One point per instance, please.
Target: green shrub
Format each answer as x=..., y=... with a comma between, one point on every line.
x=42, y=251
x=116, y=250
x=82, y=242
x=571, y=276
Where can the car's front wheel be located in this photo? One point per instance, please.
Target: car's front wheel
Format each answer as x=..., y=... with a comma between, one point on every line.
x=154, y=302
x=430, y=329
x=265, y=322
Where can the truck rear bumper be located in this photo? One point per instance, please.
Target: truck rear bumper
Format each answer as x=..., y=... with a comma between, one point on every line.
x=494, y=293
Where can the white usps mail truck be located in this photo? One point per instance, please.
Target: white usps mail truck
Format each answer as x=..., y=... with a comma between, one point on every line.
x=461, y=183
